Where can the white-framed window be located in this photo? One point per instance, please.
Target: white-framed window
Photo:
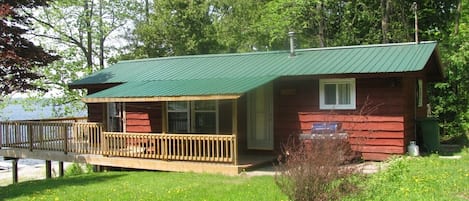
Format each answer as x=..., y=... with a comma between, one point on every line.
x=192, y=116
x=339, y=94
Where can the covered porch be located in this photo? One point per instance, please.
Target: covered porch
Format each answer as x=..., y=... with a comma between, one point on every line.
x=86, y=142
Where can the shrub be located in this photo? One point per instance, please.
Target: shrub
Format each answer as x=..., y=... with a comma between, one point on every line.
x=77, y=169
x=315, y=171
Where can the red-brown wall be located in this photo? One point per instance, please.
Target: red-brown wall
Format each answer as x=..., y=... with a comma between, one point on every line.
x=143, y=117
x=381, y=125
x=97, y=111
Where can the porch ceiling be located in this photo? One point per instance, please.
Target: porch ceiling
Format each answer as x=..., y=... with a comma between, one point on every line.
x=179, y=90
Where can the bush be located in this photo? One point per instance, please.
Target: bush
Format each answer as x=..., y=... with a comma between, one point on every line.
x=77, y=169
x=315, y=171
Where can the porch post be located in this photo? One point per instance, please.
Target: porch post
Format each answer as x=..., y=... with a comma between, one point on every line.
x=48, y=169
x=65, y=138
x=1, y=133
x=14, y=170
x=61, y=168
x=164, y=120
x=234, y=119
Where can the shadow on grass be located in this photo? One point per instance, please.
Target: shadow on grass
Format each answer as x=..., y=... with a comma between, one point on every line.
x=30, y=187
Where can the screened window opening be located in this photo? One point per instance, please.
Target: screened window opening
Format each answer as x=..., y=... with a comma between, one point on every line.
x=192, y=117
x=178, y=116
x=337, y=94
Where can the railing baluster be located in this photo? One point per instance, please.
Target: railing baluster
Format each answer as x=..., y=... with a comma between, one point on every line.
x=30, y=136
x=65, y=139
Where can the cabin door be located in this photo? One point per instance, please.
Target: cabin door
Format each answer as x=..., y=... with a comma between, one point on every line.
x=115, y=117
x=260, y=118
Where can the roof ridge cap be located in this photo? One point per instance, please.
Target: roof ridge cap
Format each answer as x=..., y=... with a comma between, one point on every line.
x=203, y=56
x=367, y=46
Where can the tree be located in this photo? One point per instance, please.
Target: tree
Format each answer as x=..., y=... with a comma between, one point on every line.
x=85, y=33
x=233, y=21
x=18, y=55
x=451, y=98
x=86, y=25
x=179, y=27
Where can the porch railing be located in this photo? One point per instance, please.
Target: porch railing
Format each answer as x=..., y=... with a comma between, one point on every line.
x=191, y=147
x=51, y=136
x=89, y=138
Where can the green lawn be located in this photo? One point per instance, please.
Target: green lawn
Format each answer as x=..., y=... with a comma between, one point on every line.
x=144, y=185
x=418, y=178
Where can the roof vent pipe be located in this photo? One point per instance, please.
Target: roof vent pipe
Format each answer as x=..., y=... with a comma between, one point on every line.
x=291, y=34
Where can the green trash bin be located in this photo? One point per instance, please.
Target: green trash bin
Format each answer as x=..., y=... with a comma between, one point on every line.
x=430, y=132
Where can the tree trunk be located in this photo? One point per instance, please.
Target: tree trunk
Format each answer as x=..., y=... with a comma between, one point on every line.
x=320, y=25
x=101, y=36
x=88, y=10
x=147, y=11
x=385, y=9
x=457, y=17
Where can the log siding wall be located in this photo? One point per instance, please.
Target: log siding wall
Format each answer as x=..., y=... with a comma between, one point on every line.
x=143, y=117
x=382, y=124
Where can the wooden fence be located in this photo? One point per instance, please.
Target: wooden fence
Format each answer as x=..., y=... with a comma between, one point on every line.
x=89, y=138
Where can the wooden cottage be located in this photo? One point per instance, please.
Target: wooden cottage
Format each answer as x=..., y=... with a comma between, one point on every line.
x=225, y=108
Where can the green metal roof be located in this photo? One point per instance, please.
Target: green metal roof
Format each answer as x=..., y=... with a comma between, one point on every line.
x=149, y=77
x=170, y=88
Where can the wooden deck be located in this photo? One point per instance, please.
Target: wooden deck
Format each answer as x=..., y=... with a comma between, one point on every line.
x=246, y=162
x=87, y=143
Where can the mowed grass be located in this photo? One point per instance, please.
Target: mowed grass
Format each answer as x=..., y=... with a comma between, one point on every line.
x=146, y=185
x=406, y=178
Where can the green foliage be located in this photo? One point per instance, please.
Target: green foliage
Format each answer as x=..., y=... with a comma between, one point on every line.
x=77, y=169
x=451, y=98
x=179, y=28
x=233, y=21
x=83, y=33
x=421, y=178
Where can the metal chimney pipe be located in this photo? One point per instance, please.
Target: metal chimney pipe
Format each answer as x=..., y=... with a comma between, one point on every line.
x=291, y=34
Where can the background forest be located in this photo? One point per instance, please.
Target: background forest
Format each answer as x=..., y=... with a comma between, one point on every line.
x=89, y=35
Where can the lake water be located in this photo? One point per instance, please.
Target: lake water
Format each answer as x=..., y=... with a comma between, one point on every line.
x=17, y=112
